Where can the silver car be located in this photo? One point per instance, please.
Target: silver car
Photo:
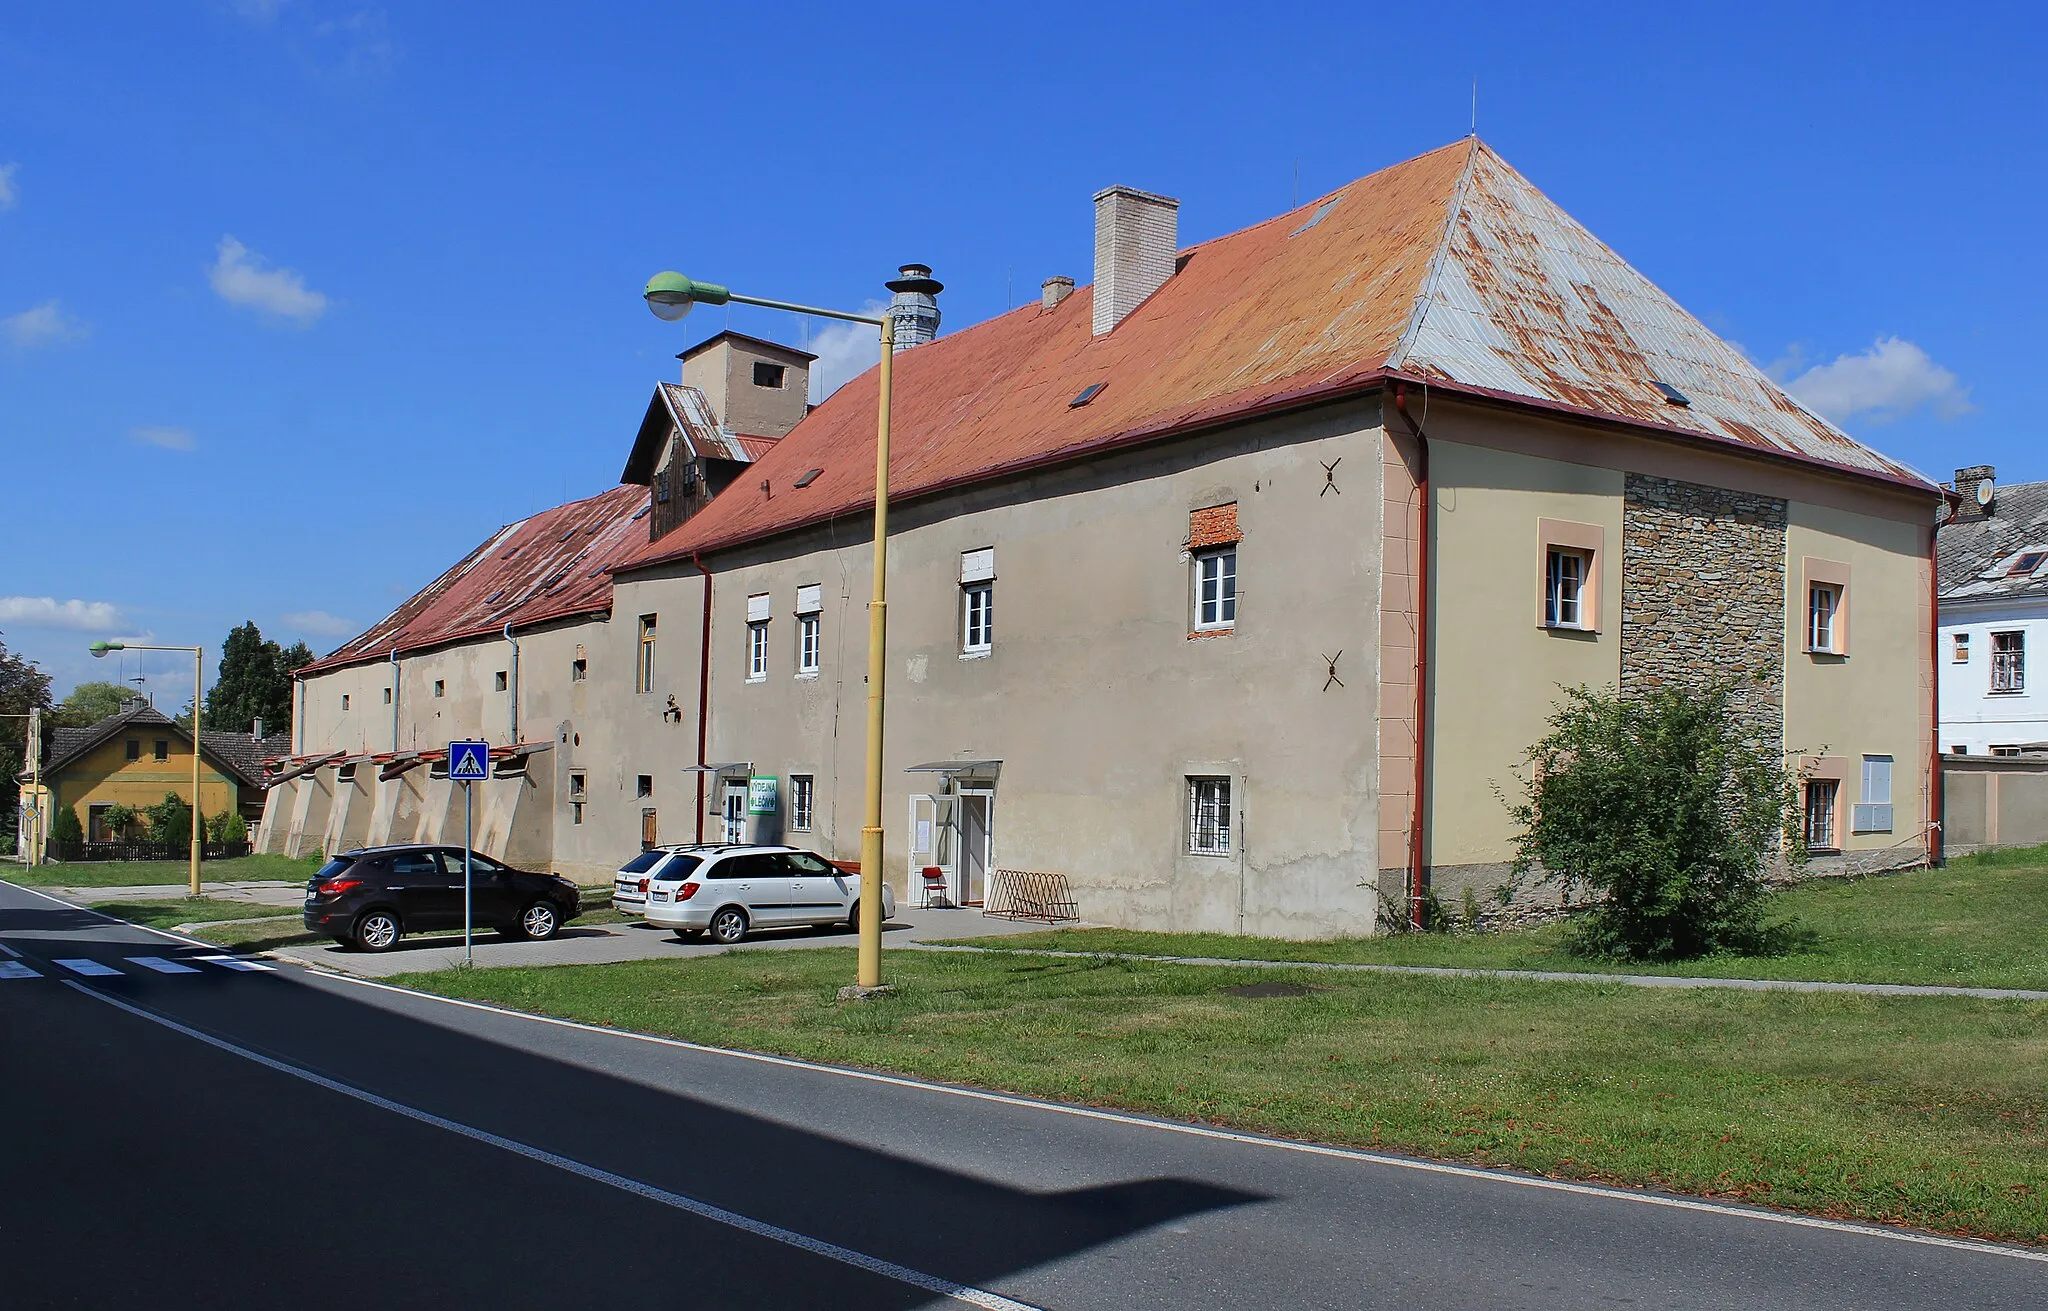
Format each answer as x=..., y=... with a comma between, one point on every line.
x=728, y=892
x=629, y=885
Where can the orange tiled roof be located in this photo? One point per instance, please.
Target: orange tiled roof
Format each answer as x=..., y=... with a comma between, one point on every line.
x=1449, y=268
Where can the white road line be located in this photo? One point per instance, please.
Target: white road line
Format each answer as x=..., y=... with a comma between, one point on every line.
x=111, y=919
x=91, y=969
x=237, y=963
x=14, y=969
x=160, y=965
x=859, y=1260
x=1249, y=1139
x=9, y=952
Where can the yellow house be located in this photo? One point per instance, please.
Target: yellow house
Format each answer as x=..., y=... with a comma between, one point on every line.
x=137, y=756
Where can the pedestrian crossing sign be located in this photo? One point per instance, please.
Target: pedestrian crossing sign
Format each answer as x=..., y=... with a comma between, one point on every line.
x=469, y=762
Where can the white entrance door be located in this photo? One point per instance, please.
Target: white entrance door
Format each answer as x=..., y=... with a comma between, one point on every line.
x=934, y=840
x=735, y=812
x=977, y=846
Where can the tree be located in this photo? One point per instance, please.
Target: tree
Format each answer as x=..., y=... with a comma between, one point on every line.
x=170, y=821
x=89, y=703
x=1663, y=808
x=119, y=818
x=23, y=688
x=254, y=682
x=64, y=825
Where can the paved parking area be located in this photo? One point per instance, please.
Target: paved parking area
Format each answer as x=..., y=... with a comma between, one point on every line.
x=597, y=944
x=262, y=892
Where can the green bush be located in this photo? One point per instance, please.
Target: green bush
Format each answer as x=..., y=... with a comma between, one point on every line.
x=117, y=818
x=226, y=827
x=1660, y=807
x=64, y=825
x=170, y=820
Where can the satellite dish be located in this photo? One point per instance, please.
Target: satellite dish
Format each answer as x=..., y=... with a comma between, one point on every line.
x=1984, y=490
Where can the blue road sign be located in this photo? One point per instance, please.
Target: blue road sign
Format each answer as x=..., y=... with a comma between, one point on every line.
x=469, y=762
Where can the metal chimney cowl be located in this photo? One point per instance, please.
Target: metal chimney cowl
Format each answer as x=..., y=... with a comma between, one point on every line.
x=915, y=306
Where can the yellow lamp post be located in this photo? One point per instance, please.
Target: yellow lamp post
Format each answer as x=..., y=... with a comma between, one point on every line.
x=99, y=651
x=670, y=296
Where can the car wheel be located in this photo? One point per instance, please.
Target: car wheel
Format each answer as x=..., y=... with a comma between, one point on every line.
x=540, y=921
x=853, y=919
x=377, y=930
x=729, y=925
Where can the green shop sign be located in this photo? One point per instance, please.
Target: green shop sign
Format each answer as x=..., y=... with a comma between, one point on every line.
x=761, y=796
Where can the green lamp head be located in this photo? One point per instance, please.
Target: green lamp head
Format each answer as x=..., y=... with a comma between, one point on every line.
x=99, y=649
x=670, y=295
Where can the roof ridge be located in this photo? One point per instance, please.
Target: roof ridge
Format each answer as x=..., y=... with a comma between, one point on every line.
x=1425, y=289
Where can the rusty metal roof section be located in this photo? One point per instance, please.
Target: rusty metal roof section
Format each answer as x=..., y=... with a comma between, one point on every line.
x=677, y=407
x=1523, y=301
x=1448, y=269
x=551, y=566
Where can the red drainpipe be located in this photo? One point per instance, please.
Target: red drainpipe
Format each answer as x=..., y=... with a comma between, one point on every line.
x=1936, y=789
x=703, y=693
x=1415, y=872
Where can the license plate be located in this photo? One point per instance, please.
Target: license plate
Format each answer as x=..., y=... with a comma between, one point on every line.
x=661, y=896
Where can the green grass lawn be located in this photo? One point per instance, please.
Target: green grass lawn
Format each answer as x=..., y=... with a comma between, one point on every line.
x=1978, y=922
x=1930, y=1112
x=266, y=927
x=174, y=911
x=135, y=873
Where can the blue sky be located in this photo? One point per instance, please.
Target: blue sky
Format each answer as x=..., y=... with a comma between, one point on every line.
x=299, y=299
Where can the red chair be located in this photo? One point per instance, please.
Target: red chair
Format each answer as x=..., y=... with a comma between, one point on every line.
x=935, y=890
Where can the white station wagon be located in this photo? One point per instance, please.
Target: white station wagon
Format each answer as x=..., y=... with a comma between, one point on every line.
x=728, y=892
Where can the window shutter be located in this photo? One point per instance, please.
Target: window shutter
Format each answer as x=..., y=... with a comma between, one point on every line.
x=757, y=608
x=978, y=566
x=1215, y=526
x=810, y=598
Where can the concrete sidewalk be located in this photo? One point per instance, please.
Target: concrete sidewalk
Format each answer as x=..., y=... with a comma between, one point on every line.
x=600, y=944
x=261, y=892
x=1535, y=976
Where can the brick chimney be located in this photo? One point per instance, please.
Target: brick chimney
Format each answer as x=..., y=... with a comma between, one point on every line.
x=1968, y=481
x=1137, y=239
x=1054, y=290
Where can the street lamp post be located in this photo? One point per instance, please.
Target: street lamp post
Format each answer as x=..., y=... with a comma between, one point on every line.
x=670, y=296
x=99, y=651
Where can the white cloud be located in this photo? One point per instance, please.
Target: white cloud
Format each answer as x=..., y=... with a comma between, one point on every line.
x=844, y=351
x=239, y=277
x=9, y=193
x=171, y=439
x=1891, y=379
x=49, y=612
x=319, y=623
x=42, y=325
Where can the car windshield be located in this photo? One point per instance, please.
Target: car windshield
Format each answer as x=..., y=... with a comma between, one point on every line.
x=643, y=862
x=680, y=867
x=335, y=865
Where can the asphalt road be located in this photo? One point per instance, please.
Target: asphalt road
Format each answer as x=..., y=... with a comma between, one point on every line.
x=206, y=1136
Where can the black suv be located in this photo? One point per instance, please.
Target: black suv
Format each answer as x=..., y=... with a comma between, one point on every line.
x=373, y=897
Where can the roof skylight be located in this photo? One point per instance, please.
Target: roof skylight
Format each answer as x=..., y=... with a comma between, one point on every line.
x=1672, y=396
x=1088, y=394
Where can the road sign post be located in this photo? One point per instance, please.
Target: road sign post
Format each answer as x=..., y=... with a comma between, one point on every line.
x=467, y=763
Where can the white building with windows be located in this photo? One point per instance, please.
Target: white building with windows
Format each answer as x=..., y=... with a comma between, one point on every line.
x=1994, y=616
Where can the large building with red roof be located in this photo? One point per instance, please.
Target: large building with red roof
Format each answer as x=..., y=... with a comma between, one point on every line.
x=1233, y=586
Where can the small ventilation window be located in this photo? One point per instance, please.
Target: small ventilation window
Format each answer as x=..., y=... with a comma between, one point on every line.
x=641, y=513
x=768, y=375
x=1317, y=217
x=495, y=597
x=2028, y=562
x=1672, y=396
x=808, y=477
x=1088, y=393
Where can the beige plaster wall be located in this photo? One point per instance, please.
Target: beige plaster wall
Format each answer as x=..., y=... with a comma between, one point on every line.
x=1872, y=700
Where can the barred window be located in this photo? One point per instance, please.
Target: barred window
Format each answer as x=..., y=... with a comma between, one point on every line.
x=800, y=792
x=2009, y=662
x=1209, y=816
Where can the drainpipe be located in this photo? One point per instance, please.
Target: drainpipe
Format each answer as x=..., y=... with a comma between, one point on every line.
x=514, y=686
x=1936, y=788
x=394, y=700
x=1415, y=871
x=703, y=693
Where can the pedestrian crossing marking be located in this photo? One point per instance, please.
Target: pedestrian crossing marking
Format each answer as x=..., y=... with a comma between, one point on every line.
x=14, y=969
x=91, y=969
x=160, y=965
x=237, y=963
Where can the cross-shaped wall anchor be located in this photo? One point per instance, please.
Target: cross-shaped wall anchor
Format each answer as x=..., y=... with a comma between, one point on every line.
x=1330, y=479
x=1332, y=660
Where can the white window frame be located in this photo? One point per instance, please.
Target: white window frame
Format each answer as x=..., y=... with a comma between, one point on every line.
x=757, y=651
x=2009, y=666
x=802, y=802
x=977, y=617
x=808, y=646
x=1873, y=813
x=1208, y=815
x=1823, y=617
x=1215, y=590
x=1560, y=610
x=643, y=657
